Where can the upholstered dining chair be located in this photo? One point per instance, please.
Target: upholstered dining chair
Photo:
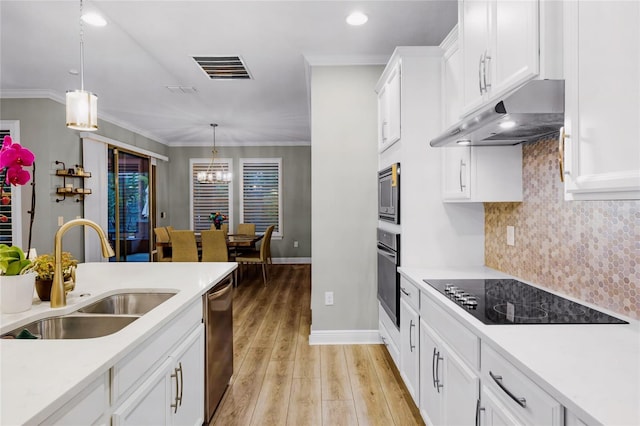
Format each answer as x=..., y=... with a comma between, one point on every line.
x=258, y=257
x=163, y=254
x=247, y=228
x=183, y=246
x=214, y=246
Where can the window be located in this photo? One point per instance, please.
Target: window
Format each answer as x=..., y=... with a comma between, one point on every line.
x=207, y=198
x=261, y=197
x=10, y=214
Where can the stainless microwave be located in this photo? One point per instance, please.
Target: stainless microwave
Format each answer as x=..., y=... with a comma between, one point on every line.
x=389, y=194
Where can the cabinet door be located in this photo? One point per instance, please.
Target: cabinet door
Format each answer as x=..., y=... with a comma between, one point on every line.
x=514, y=54
x=496, y=414
x=394, y=117
x=474, y=29
x=149, y=404
x=409, y=349
x=188, y=364
x=430, y=396
x=461, y=388
x=453, y=83
x=456, y=173
x=602, y=64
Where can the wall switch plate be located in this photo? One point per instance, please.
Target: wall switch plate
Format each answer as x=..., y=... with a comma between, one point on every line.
x=60, y=220
x=328, y=298
x=295, y=244
x=511, y=236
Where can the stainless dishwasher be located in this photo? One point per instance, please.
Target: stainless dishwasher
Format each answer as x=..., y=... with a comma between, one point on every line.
x=218, y=343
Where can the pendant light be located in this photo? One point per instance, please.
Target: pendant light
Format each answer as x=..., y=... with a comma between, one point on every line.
x=211, y=175
x=82, y=106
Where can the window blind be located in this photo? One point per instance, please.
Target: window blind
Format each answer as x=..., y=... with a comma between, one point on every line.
x=209, y=197
x=5, y=209
x=261, y=198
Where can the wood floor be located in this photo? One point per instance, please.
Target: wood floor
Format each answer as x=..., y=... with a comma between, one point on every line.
x=279, y=379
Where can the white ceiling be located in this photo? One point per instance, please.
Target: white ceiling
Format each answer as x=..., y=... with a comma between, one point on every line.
x=148, y=45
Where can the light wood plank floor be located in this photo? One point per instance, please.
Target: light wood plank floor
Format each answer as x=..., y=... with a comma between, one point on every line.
x=279, y=379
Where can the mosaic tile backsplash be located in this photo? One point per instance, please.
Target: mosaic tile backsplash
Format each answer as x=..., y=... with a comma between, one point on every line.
x=586, y=249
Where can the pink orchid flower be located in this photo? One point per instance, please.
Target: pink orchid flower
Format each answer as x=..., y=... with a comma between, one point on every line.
x=15, y=155
x=16, y=175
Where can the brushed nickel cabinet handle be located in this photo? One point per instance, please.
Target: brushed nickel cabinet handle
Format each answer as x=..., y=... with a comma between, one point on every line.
x=411, y=345
x=480, y=67
x=487, y=58
x=438, y=384
x=462, y=186
x=433, y=367
x=561, y=156
x=498, y=379
x=181, y=383
x=175, y=404
x=406, y=293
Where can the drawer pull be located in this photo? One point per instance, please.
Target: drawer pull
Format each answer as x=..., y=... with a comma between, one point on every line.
x=406, y=293
x=498, y=379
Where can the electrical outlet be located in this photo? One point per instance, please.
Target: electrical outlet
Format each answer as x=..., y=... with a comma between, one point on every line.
x=60, y=220
x=163, y=215
x=511, y=236
x=328, y=298
x=295, y=244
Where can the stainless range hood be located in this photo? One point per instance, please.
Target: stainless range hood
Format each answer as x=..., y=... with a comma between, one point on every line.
x=531, y=112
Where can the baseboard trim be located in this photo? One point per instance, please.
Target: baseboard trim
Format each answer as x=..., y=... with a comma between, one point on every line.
x=344, y=337
x=292, y=260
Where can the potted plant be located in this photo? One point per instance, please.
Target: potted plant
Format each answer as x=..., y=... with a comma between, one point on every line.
x=16, y=283
x=44, y=266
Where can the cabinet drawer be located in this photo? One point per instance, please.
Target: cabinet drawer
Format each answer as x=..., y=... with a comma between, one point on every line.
x=539, y=407
x=458, y=337
x=410, y=293
x=392, y=329
x=392, y=348
x=140, y=362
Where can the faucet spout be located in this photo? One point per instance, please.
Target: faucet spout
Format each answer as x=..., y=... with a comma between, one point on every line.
x=58, y=295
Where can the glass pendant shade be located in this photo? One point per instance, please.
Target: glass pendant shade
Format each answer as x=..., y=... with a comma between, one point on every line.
x=82, y=110
x=211, y=175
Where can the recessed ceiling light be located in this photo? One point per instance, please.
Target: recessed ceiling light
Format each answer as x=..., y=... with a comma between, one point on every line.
x=94, y=19
x=463, y=142
x=357, y=18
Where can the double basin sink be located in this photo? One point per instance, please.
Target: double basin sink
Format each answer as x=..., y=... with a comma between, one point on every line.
x=101, y=318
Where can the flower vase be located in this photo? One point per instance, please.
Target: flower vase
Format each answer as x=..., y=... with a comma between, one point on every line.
x=217, y=225
x=43, y=288
x=16, y=292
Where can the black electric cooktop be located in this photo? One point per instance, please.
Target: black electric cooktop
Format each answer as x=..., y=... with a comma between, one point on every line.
x=508, y=301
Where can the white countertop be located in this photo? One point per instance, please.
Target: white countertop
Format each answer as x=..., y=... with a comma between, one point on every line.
x=591, y=369
x=39, y=376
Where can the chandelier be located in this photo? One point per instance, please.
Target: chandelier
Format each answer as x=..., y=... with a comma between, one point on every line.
x=212, y=175
x=82, y=106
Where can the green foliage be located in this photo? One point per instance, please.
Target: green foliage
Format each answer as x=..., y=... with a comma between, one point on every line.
x=12, y=260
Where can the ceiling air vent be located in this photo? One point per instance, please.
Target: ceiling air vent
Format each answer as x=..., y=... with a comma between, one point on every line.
x=223, y=67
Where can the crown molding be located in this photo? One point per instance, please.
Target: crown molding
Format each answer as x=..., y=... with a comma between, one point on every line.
x=240, y=144
x=345, y=60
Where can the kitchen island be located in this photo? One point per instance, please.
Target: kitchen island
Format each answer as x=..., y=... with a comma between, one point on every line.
x=579, y=373
x=38, y=377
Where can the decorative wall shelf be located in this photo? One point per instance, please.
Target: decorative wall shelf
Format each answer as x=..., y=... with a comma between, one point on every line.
x=69, y=190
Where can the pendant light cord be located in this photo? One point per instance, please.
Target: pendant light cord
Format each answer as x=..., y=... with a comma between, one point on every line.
x=81, y=50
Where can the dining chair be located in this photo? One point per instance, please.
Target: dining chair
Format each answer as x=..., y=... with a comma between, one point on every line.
x=184, y=246
x=170, y=228
x=214, y=246
x=247, y=228
x=258, y=257
x=163, y=254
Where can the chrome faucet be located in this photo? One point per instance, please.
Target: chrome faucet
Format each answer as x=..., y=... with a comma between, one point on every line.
x=58, y=295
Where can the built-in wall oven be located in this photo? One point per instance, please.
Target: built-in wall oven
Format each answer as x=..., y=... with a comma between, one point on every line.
x=388, y=276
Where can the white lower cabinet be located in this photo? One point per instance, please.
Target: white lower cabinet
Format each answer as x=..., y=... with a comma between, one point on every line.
x=493, y=413
x=86, y=408
x=174, y=394
x=448, y=387
x=409, y=348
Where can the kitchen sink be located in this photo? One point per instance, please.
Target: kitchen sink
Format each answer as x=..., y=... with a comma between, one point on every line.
x=127, y=303
x=73, y=326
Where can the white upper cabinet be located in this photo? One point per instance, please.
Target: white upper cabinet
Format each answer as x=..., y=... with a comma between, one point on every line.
x=389, y=109
x=473, y=174
x=506, y=43
x=602, y=103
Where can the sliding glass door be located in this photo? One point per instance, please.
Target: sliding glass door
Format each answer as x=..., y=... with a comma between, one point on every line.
x=129, y=206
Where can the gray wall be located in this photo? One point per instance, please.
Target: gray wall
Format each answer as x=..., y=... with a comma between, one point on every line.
x=43, y=131
x=296, y=200
x=344, y=205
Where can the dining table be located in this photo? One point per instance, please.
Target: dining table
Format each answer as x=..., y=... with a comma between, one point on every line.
x=233, y=240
